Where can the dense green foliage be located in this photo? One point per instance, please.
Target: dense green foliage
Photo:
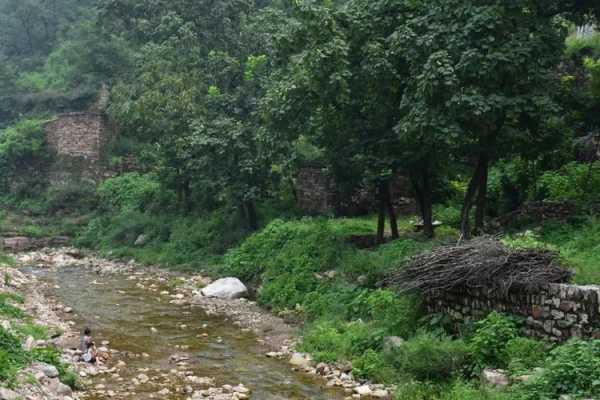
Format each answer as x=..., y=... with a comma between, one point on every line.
x=22, y=151
x=479, y=102
x=13, y=357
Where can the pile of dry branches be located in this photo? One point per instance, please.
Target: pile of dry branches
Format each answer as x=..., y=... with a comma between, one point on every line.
x=480, y=263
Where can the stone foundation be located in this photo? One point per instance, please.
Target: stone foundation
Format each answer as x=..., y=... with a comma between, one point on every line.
x=77, y=141
x=318, y=193
x=556, y=313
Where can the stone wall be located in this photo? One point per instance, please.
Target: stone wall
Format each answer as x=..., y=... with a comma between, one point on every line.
x=315, y=190
x=556, y=313
x=317, y=193
x=77, y=141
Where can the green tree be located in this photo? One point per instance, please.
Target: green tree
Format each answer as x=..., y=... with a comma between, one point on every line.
x=482, y=76
x=199, y=75
x=338, y=84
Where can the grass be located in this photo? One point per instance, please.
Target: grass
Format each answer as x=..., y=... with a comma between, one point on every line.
x=9, y=310
x=13, y=357
x=577, y=243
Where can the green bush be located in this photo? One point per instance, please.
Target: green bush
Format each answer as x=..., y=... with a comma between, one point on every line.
x=9, y=310
x=375, y=264
x=577, y=243
x=38, y=332
x=415, y=390
x=131, y=192
x=333, y=340
x=525, y=354
x=171, y=240
x=571, y=369
x=51, y=355
x=489, y=343
x=467, y=391
x=583, y=47
x=12, y=356
x=397, y=315
x=593, y=67
x=430, y=356
x=372, y=365
x=574, y=182
x=80, y=198
x=22, y=148
x=300, y=246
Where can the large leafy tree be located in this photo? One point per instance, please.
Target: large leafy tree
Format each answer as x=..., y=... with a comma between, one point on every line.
x=482, y=78
x=194, y=96
x=338, y=84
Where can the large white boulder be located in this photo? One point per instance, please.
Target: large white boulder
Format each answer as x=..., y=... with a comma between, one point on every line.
x=226, y=288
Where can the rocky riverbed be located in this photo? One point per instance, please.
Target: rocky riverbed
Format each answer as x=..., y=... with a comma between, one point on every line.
x=186, y=347
x=38, y=381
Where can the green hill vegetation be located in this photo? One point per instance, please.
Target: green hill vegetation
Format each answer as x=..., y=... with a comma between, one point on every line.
x=487, y=106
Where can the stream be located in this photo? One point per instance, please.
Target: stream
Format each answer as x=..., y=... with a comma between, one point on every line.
x=147, y=330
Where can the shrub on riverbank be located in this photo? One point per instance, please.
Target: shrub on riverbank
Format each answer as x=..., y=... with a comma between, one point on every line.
x=13, y=356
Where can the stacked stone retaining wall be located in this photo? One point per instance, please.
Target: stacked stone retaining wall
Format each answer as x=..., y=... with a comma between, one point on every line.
x=556, y=312
x=77, y=141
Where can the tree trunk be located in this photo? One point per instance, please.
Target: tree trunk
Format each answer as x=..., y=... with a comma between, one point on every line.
x=381, y=218
x=465, y=223
x=482, y=195
x=391, y=211
x=187, y=195
x=418, y=195
x=422, y=187
x=251, y=214
x=427, y=208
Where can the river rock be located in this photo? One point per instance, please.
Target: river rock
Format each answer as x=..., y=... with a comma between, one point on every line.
x=141, y=240
x=17, y=244
x=60, y=389
x=226, y=288
x=391, y=343
x=363, y=390
x=300, y=360
x=380, y=394
x=49, y=370
x=7, y=394
x=29, y=343
x=495, y=377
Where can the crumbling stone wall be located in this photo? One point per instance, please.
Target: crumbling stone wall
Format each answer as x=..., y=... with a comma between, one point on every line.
x=315, y=190
x=77, y=141
x=556, y=312
x=318, y=193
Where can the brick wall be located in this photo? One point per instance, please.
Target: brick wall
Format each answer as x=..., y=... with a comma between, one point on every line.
x=556, y=312
x=78, y=140
x=317, y=193
x=315, y=190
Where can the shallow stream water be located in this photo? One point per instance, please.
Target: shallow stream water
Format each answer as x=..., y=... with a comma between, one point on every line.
x=135, y=320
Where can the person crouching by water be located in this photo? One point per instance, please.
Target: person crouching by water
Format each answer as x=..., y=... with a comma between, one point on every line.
x=88, y=348
x=90, y=355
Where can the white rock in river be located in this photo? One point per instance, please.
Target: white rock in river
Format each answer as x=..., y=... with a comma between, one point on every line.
x=363, y=390
x=226, y=288
x=301, y=360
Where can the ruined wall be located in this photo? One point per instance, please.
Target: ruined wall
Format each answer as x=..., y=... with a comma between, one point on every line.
x=77, y=141
x=556, y=313
x=315, y=190
x=317, y=193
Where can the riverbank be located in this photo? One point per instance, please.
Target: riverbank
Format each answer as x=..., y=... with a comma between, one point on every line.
x=276, y=338
x=36, y=357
